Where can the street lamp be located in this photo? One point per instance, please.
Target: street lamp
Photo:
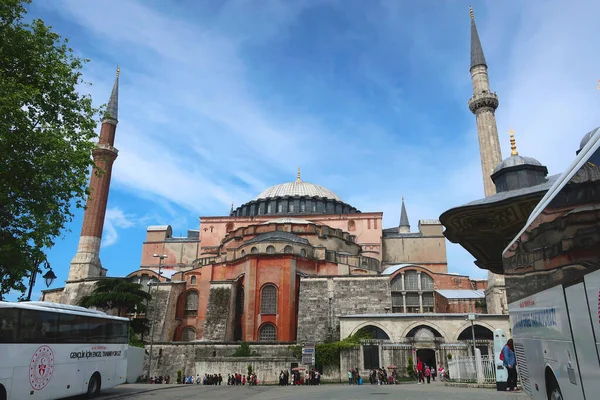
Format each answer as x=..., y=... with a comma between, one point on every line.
x=160, y=259
x=49, y=277
x=472, y=317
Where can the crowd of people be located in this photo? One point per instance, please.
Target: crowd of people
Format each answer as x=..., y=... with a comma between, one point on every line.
x=300, y=376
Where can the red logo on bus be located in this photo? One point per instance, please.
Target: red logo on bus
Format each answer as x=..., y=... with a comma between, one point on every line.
x=41, y=367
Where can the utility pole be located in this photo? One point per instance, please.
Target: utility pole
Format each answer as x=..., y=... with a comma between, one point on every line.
x=160, y=259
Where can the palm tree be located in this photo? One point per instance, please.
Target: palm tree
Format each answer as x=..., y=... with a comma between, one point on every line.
x=122, y=296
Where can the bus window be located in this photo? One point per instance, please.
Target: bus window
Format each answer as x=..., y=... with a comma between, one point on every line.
x=98, y=332
x=37, y=327
x=117, y=332
x=73, y=328
x=8, y=322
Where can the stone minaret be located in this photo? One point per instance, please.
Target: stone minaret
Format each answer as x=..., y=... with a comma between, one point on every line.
x=86, y=263
x=484, y=104
x=404, y=226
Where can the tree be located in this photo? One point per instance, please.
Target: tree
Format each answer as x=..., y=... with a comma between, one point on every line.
x=122, y=296
x=46, y=132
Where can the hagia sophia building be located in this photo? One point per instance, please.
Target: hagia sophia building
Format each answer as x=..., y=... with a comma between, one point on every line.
x=297, y=263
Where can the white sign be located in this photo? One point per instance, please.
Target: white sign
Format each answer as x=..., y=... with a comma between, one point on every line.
x=308, y=353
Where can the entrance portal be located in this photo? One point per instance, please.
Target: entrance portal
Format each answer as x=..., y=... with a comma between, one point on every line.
x=427, y=356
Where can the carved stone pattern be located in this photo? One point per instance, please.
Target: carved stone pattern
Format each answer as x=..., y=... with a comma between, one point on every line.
x=488, y=100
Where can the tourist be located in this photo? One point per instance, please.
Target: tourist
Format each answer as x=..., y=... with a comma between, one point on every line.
x=441, y=372
x=420, y=371
x=428, y=374
x=510, y=362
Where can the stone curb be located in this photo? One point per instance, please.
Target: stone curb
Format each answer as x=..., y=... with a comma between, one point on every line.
x=132, y=393
x=471, y=385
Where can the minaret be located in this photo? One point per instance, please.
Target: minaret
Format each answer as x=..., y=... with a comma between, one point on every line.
x=86, y=263
x=404, y=226
x=484, y=104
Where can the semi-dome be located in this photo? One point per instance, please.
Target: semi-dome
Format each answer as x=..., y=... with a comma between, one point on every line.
x=298, y=188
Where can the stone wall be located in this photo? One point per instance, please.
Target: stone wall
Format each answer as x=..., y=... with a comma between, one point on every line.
x=74, y=291
x=218, y=318
x=324, y=300
x=201, y=358
x=168, y=294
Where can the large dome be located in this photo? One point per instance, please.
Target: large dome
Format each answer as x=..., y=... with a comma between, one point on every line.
x=298, y=188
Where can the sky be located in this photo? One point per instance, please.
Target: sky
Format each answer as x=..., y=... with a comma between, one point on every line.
x=220, y=100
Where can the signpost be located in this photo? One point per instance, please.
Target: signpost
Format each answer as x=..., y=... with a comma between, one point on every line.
x=308, y=354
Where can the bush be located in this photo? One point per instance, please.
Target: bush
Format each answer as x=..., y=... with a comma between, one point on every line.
x=179, y=376
x=449, y=356
x=410, y=369
x=243, y=350
x=134, y=340
x=249, y=369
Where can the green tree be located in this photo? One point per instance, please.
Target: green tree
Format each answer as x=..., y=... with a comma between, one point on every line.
x=46, y=128
x=122, y=296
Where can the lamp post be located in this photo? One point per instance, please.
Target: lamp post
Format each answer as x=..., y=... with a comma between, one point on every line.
x=160, y=259
x=472, y=317
x=49, y=277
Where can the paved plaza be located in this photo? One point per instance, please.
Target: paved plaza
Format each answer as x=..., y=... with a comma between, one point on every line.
x=330, y=392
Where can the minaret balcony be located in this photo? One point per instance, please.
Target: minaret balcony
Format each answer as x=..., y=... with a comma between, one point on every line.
x=481, y=100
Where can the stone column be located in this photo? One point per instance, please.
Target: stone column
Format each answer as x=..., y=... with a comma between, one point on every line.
x=419, y=280
x=402, y=276
x=420, y=300
x=403, y=299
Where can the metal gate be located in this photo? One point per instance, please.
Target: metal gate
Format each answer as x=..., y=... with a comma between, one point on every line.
x=371, y=356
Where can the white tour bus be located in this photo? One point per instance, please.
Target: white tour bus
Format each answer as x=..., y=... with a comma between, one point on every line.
x=50, y=351
x=552, y=273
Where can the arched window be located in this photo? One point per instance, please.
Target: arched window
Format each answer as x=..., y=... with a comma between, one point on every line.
x=351, y=226
x=188, y=334
x=268, y=299
x=288, y=249
x=303, y=252
x=314, y=206
x=268, y=333
x=270, y=250
x=191, y=304
x=193, y=280
x=253, y=250
x=280, y=207
x=243, y=253
x=302, y=206
x=291, y=206
x=229, y=227
x=411, y=280
x=269, y=208
x=426, y=282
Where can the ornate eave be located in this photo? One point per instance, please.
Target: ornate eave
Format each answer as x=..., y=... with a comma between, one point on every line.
x=485, y=229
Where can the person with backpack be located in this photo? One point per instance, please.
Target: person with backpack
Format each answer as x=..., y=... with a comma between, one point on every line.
x=507, y=355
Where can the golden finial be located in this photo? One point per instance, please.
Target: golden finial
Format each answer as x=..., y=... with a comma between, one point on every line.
x=118, y=71
x=513, y=145
x=298, y=177
x=471, y=12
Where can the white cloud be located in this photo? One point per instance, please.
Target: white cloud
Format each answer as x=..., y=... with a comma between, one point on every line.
x=115, y=219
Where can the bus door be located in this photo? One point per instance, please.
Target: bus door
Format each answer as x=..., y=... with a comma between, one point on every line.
x=584, y=341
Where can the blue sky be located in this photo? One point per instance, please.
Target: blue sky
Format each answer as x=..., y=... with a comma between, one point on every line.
x=219, y=100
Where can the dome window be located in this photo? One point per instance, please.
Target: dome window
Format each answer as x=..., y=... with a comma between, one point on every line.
x=302, y=206
x=270, y=250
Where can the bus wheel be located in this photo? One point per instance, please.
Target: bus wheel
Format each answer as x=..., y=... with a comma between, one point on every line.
x=94, y=385
x=2, y=393
x=554, y=391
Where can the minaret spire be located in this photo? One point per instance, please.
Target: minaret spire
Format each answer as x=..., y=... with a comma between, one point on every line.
x=477, y=57
x=112, y=109
x=86, y=263
x=484, y=104
x=404, y=226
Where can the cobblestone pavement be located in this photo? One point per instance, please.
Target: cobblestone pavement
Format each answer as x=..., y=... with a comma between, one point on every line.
x=330, y=392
